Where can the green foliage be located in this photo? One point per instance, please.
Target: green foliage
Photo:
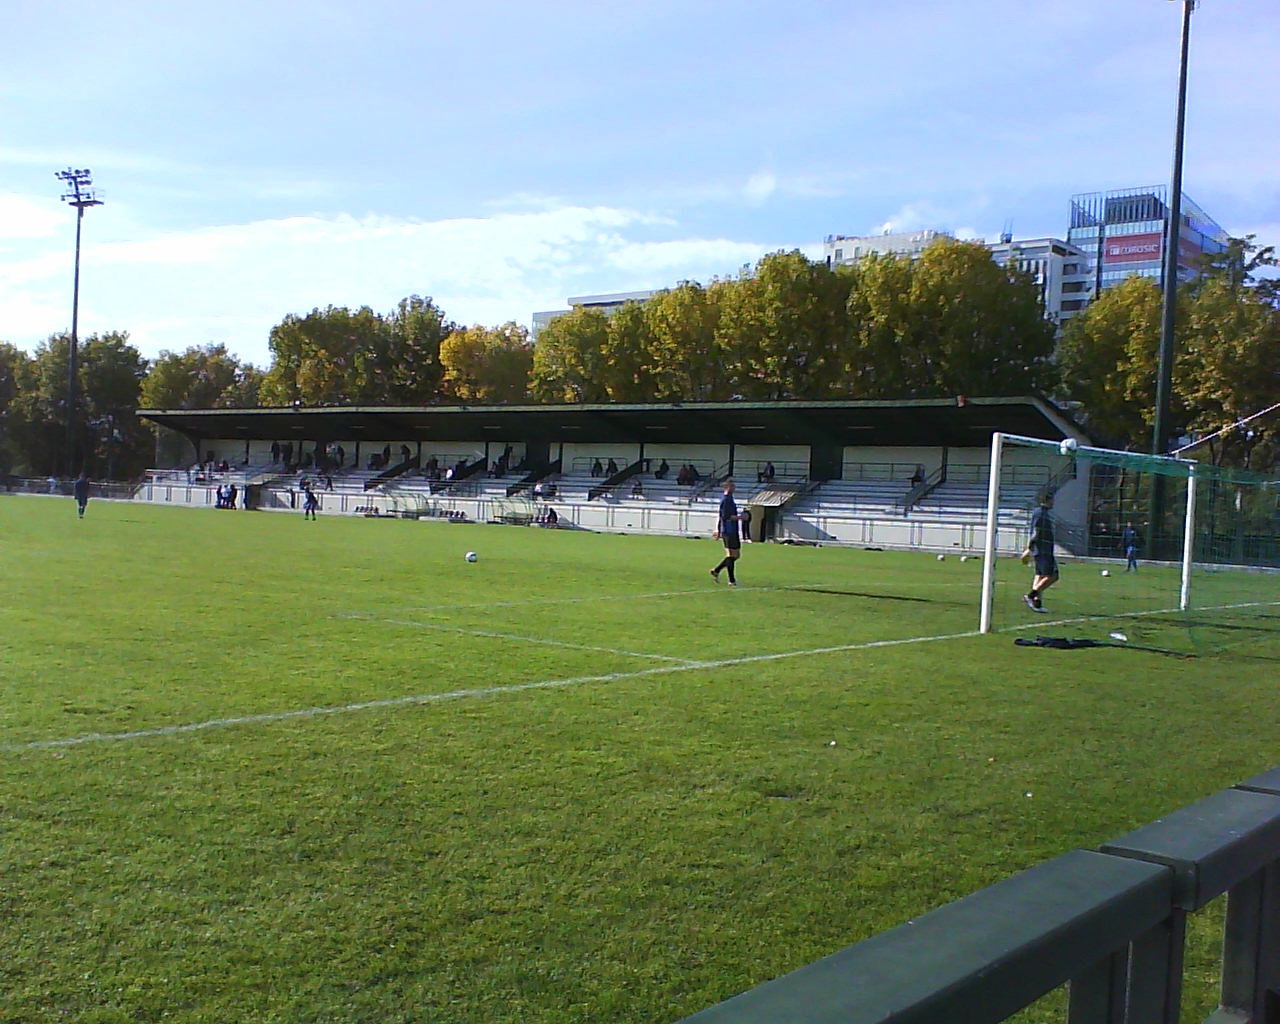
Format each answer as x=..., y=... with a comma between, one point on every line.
x=1107, y=359
x=487, y=365
x=337, y=356
x=15, y=369
x=684, y=360
x=109, y=442
x=953, y=322
x=570, y=359
x=1227, y=359
x=202, y=377
x=485, y=828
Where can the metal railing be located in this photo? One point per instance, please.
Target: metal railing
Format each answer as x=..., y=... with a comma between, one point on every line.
x=1110, y=924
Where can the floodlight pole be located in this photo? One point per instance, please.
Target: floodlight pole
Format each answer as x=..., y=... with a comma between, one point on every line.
x=1164, y=373
x=80, y=196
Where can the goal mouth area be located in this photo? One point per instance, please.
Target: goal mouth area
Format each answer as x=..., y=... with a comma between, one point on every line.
x=1186, y=553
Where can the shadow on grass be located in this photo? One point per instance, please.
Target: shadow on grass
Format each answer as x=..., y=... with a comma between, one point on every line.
x=858, y=593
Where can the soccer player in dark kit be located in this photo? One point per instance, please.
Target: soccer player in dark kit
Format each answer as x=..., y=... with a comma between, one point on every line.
x=81, y=492
x=1040, y=547
x=727, y=532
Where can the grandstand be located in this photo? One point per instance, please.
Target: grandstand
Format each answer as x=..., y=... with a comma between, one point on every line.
x=905, y=475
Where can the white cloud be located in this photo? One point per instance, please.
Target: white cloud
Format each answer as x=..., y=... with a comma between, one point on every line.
x=760, y=186
x=232, y=283
x=22, y=217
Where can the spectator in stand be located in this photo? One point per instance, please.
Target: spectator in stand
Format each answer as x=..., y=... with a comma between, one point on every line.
x=767, y=474
x=612, y=468
x=81, y=490
x=637, y=491
x=663, y=470
x=406, y=453
x=552, y=520
x=917, y=478
x=275, y=452
x=597, y=469
x=682, y=475
x=693, y=474
x=386, y=454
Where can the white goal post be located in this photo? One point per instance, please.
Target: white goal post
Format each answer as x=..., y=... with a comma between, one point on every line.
x=1060, y=460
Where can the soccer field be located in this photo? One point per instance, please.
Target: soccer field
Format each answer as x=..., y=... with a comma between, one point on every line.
x=262, y=769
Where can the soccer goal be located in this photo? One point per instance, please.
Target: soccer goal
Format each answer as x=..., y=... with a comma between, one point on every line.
x=1181, y=554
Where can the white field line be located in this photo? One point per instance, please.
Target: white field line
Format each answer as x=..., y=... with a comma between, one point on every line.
x=492, y=691
x=440, y=627
x=1041, y=623
x=485, y=691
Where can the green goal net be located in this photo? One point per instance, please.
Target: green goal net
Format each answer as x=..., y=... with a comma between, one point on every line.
x=1157, y=552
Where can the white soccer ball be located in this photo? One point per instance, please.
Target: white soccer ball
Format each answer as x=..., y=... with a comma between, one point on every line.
x=964, y=558
x=1106, y=572
x=942, y=558
x=1067, y=445
x=472, y=556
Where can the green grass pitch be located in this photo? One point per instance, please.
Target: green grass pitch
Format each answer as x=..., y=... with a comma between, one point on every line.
x=261, y=769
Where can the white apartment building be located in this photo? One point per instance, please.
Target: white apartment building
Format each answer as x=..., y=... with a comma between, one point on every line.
x=607, y=304
x=842, y=250
x=1063, y=272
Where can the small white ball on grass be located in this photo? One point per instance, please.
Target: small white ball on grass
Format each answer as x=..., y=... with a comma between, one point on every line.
x=471, y=556
x=1105, y=572
x=964, y=558
x=942, y=558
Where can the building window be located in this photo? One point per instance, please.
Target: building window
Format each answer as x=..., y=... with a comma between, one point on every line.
x=839, y=254
x=1072, y=305
x=1073, y=286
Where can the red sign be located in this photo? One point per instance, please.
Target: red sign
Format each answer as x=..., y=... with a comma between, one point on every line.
x=1132, y=248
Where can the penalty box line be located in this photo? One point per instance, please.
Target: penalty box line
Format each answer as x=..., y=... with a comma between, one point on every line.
x=478, y=692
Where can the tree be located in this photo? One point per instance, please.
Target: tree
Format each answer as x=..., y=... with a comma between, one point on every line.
x=15, y=367
x=409, y=371
x=109, y=440
x=627, y=371
x=781, y=329
x=488, y=364
x=1107, y=359
x=328, y=357
x=201, y=377
x=953, y=322
x=1228, y=369
x=685, y=360
x=569, y=358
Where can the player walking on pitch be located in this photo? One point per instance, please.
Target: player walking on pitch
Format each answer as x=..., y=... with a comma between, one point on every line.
x=1040, y=547
x=727, y=531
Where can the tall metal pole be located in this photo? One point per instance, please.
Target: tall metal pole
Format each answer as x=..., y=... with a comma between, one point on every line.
x=80, y=196
x=1164, y=375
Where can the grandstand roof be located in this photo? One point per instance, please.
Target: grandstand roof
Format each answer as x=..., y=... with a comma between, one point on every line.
x=960, y=422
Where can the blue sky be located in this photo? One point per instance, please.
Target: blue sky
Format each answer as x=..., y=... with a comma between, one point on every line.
x=259, y=159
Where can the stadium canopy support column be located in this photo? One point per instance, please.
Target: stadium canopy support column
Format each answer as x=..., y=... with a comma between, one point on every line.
x=989, y=540
x=1188, y=540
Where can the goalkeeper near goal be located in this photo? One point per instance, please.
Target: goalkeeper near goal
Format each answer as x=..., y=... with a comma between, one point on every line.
x=1040, y=547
